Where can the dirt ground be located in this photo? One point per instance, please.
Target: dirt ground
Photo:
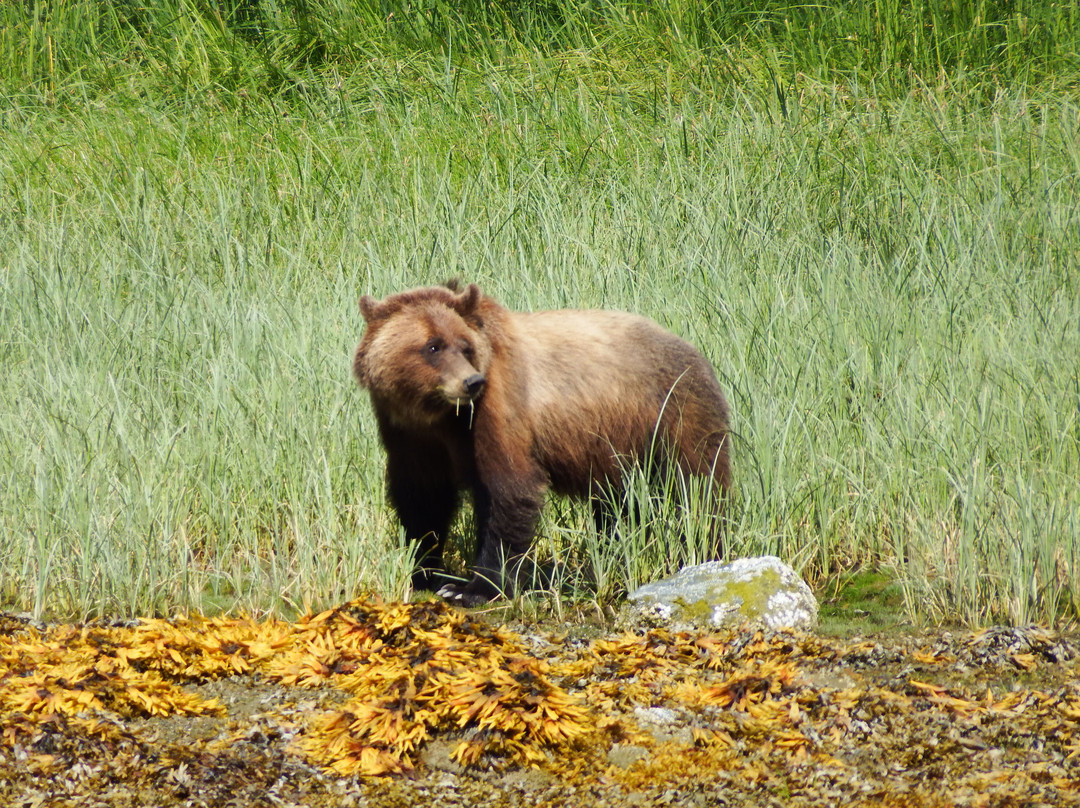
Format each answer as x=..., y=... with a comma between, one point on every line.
x=456, y=711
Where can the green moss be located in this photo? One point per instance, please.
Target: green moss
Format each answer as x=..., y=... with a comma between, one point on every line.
x=754, y=592
x=753, y=595
x=862, y=601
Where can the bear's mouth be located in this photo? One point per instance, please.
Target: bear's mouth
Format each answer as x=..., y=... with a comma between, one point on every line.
x=471, y=404
x=466, y=392
x=458, y=402
x=463, y=402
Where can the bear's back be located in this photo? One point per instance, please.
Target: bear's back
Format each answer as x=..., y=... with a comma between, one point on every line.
x=598, y=383
x=600, y=354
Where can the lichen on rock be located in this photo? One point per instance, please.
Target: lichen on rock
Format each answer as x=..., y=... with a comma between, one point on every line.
x=760, y=591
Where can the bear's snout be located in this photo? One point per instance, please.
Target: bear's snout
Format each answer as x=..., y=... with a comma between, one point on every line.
x=474, y=385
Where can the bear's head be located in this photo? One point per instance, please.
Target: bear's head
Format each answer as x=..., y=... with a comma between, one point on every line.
x=424, y=353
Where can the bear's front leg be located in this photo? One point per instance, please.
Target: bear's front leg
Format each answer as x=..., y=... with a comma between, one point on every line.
x=425, y=515
x=506, y=517
x=425, y=503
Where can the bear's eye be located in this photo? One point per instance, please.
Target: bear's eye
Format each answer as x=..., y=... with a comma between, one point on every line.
x=433, y=346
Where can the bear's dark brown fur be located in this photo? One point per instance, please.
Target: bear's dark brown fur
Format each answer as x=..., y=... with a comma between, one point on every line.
x=471, y=396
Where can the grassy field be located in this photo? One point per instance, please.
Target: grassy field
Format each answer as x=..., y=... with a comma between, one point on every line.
x=868, y=220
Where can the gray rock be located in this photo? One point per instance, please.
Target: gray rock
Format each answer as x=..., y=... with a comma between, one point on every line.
x=436, y=755
x=625, y=755
x=664, y=724
x=756, y=591
x=655, y=715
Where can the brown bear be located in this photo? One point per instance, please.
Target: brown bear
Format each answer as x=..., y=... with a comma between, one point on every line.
x=471, y=396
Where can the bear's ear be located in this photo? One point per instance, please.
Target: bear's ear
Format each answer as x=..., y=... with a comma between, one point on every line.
x=369, y=308
x=468, y=300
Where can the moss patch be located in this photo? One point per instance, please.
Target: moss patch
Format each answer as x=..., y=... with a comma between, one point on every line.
x=860, y=602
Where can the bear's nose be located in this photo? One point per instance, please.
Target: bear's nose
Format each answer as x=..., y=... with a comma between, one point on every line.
x=474, y=384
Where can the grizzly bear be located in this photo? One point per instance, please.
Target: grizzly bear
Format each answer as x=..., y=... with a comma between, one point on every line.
x=469, y=396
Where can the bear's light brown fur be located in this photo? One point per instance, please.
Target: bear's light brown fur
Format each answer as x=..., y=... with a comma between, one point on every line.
x=471, y=396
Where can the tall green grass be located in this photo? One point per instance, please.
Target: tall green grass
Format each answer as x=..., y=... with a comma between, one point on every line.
x=885, y=274
x=179, y=46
